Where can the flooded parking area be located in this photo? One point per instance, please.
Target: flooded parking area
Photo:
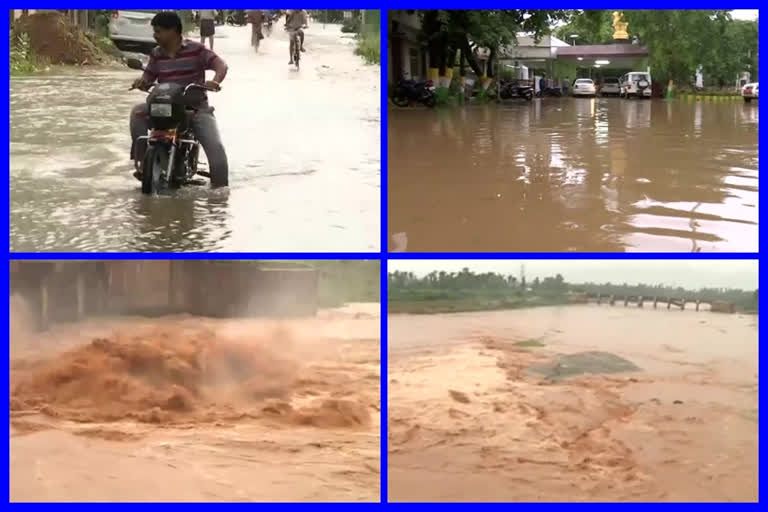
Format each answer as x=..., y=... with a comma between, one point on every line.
x=575, y=174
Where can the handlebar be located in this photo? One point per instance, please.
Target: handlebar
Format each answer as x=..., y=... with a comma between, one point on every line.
x=188, y=87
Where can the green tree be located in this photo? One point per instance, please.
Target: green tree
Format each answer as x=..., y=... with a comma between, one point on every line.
x=593, y=26
x=450, y=32
x=678, y=40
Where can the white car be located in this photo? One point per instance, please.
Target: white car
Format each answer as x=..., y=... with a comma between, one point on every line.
x=132, y=30
x=749, y=92
x=610, y=86
x=637, y=84
x=584, y=87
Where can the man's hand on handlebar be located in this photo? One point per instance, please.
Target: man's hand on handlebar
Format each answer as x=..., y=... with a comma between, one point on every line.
x=140, y=84
x=212, y=85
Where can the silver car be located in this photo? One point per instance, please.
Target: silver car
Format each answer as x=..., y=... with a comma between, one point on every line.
x=610, y=86
x=131, y=30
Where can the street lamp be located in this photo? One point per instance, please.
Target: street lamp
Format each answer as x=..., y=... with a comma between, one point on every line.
x=574, y=37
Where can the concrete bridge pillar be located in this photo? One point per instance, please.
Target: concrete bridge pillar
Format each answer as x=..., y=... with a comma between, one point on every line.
x=640, y=301
x=598, y=299
x=655, y=302
x=669, y=303
x=613, y=300
x=626, y=300
x=682, y=305
x=698, y=303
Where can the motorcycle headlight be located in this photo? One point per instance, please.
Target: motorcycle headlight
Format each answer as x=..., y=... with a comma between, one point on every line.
x=160, y=110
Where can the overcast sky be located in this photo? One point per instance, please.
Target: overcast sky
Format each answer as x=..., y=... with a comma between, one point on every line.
x=744, y=14
x=691, y=274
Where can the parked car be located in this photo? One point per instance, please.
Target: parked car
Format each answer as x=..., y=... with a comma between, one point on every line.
x=131, y=30
x=637, y=84
x=584, y=87
x=610, y=86
x=749, y=92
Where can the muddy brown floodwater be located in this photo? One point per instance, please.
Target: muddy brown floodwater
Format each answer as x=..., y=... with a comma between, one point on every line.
x=294, y=141
x=469, y=422
x=566, y=174
x=191, y=409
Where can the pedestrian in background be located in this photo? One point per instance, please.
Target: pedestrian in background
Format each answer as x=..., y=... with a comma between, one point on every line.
x=207, y=25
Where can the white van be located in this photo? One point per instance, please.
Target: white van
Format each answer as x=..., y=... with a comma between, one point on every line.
x=637, y=83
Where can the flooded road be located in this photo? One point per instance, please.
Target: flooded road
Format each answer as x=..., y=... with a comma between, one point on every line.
x=468, y=421
x=295, y=141
x=571, y=174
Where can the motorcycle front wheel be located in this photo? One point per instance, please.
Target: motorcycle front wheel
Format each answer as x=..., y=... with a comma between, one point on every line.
x=155, y=163
x=400, y=98
x=430, y=101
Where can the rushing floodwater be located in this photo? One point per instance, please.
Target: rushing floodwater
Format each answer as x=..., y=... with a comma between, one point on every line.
x=467, y=421
x=569, y=174
x=661, y=335
x=295, y=141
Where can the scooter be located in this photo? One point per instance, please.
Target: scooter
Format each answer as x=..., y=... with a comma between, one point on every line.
x=513, y=89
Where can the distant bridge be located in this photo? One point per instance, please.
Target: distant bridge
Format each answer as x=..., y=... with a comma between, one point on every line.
x=678, y=302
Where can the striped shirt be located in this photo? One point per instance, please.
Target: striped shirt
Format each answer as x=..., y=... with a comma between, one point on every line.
x=188, y=66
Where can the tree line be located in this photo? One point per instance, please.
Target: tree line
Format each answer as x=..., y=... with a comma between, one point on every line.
x=678, y=40
x=405, y=284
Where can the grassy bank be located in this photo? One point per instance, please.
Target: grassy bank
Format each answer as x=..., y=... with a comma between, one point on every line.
x=430, y=302
x=369, y=38
x=369, y=48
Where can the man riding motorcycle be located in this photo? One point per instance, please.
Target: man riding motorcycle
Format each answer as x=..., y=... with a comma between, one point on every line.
x=295, y=21
x=184, y=62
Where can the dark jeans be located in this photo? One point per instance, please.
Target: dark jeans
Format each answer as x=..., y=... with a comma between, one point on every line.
x=205, y=128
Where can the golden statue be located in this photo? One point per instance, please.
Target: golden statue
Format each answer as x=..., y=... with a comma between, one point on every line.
x=619, y=26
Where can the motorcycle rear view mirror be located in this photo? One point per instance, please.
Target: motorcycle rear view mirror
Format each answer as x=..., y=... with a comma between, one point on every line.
x=134, y=63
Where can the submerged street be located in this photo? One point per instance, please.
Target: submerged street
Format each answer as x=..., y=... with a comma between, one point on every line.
x=575, y=174
x=295, y=140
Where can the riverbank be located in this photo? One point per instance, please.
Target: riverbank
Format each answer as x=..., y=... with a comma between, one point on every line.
x=469, y=419
x=468, y=303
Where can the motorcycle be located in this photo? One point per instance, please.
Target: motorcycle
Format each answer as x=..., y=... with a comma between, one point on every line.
x=171, y=157
x=551, y=92
x=513, y=89
x=408, y=91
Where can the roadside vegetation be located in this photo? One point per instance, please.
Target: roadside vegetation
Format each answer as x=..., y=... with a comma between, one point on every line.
x=340, y=281
x=48, y=38
x=453, y=292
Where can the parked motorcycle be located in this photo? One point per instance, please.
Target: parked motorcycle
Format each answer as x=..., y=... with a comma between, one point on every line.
x=551, y=92
x=408, y=91
x=513, y=89
x=171, y=157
